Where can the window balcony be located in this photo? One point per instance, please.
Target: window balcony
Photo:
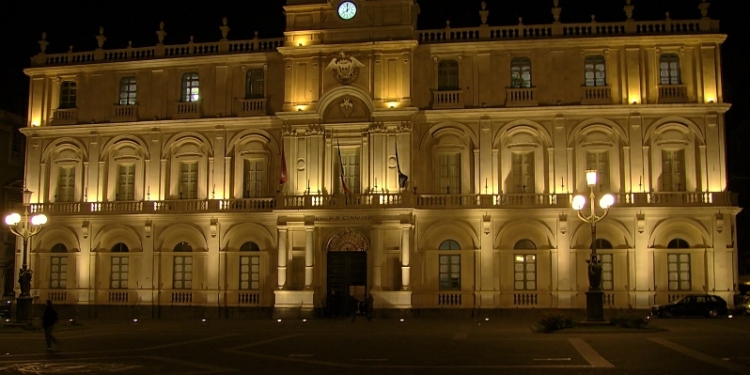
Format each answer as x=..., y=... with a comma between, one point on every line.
x=252, y=107
x=67, y=116
x=124, y=113
x=453, y=99
x=184, y=110
x=523, y=97
x=673, y=94
x=596, y=95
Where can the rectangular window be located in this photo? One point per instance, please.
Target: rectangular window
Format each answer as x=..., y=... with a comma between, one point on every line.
x=520, y=73
x=608, y=282
x=448, y=75
x=450, y=272
x=669, y=69
x=594, y=71
x=68, y=95
x=522, y=170
x=182, y=274
x=190, y=87
x=673, y=170
x=58, y=277
x=255, y=178
x=255, y=83
x=66, y=178
x=127, y=91
x=679, y=271
x=350, y=161
x=189, y=180
x=118, y=277
x=525, y=272
x=449, y=173
x=126, y=182
x=250, y=273
x=599, y=161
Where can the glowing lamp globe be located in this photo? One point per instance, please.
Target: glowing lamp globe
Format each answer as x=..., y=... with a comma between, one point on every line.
x=40, y=219
x=13, y=219
x=607, y=201
x=578, y=202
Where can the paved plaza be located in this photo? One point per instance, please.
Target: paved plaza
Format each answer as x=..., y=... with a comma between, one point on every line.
x=500, y=344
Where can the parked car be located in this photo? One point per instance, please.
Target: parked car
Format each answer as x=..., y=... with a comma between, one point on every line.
x=693, y=305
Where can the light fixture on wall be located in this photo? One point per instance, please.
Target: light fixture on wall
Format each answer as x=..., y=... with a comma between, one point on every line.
x=719, y=222
x=85, y=229
x=147, y=228
x=214, y=225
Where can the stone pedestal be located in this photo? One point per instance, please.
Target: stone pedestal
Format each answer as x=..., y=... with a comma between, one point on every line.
x=24, y=309
x=595, y=306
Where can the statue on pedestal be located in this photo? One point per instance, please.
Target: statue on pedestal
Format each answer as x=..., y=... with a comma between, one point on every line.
x=24, y=280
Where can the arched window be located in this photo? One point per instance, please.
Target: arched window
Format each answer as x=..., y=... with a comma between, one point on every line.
x=127, y=91
x=601, y=243
x=525, y=244
x=58, y=270
x=678, y=243
x=249, y=246
x=449, y=245
x=183, y=247
x=190, y=87
x=595, y=74
x=448, y=75
x=67, y=95
x=59, y=248
x=120, y=248
x=255, y=84
x=669, y=69
x=520, y=73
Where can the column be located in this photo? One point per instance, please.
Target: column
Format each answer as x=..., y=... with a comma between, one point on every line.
x=148, y=277
x=308, y=257
x=282, y=257
x=485, y=263
x=377, y=258
x=405, y=261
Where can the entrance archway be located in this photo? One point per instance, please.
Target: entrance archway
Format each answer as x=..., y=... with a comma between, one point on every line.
x=346, y=270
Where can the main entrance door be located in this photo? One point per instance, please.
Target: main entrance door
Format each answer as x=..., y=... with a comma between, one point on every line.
x=347, y=271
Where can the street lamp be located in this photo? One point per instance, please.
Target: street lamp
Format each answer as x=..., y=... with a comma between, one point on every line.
x=594, y=296
x=25, y=226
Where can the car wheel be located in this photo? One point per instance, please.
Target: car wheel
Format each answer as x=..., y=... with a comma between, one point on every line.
x=713, y=313
x=666, y=314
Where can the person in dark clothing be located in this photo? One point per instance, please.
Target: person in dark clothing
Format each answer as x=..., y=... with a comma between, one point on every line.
x=352, y=305
x=48, y=323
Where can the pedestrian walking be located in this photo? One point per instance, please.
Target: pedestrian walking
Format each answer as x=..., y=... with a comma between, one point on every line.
x=48, y=323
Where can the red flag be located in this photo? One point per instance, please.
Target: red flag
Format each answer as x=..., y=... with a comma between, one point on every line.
x=282, y=180
x=342, y=175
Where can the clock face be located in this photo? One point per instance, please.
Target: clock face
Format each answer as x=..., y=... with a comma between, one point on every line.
x=347, y=10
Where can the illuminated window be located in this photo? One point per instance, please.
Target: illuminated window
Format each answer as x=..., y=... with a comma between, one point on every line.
x=58, y=278
x=126, y=182
x=249, y=267
x=119, y=268
x=449, y=173
x=524, y=272
x=595, y=74
x=189, y=180
x=182, y=271
x=673, y=170
x=522, y=172
x=520, y=72
x=679, y=272
x=127, y=91
x=190, y=87
x=66, y=178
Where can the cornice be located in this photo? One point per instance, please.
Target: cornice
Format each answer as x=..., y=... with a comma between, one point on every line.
x=398, y=45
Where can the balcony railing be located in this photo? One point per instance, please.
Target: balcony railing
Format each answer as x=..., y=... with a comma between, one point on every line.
x=673, y=94
x=453, y=99
x=523, y=97
x=187, y=110
x=392, y=200
x=252, y=107
x=596, y=95
x=68, y=116
x=122, y=113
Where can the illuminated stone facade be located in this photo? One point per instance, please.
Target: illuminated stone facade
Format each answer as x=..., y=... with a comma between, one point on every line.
x=174, y=152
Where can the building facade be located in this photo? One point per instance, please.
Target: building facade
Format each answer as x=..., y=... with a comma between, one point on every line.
x=434, y=169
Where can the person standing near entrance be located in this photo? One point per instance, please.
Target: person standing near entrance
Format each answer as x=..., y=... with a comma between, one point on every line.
x=48, y=323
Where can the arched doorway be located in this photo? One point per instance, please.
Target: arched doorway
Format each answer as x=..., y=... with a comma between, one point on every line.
x=347, y=270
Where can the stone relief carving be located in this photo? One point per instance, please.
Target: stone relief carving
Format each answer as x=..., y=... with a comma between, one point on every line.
x=348, y=240
x=346, y=69
x=346, y=107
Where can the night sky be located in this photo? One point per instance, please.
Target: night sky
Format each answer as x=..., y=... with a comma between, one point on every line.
x=77, y=23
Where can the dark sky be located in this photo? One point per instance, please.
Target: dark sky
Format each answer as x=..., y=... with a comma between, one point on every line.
x=76, y=23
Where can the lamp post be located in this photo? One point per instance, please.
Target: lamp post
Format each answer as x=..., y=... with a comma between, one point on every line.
x=25, y=226
x=594, y=296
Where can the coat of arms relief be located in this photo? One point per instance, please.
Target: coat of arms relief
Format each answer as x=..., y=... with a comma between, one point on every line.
x=345, y=68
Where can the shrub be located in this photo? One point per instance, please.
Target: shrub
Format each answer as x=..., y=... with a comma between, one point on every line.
x=629, y=319
x=556, y=320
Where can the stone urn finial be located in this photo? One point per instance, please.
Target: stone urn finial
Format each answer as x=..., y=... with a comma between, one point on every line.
x=703, y=6
x=100, y=39
x=629, y=9
x=224, y=28
x=484, y=13
x=161, y=33
x=43, y=43
x=556, y=10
